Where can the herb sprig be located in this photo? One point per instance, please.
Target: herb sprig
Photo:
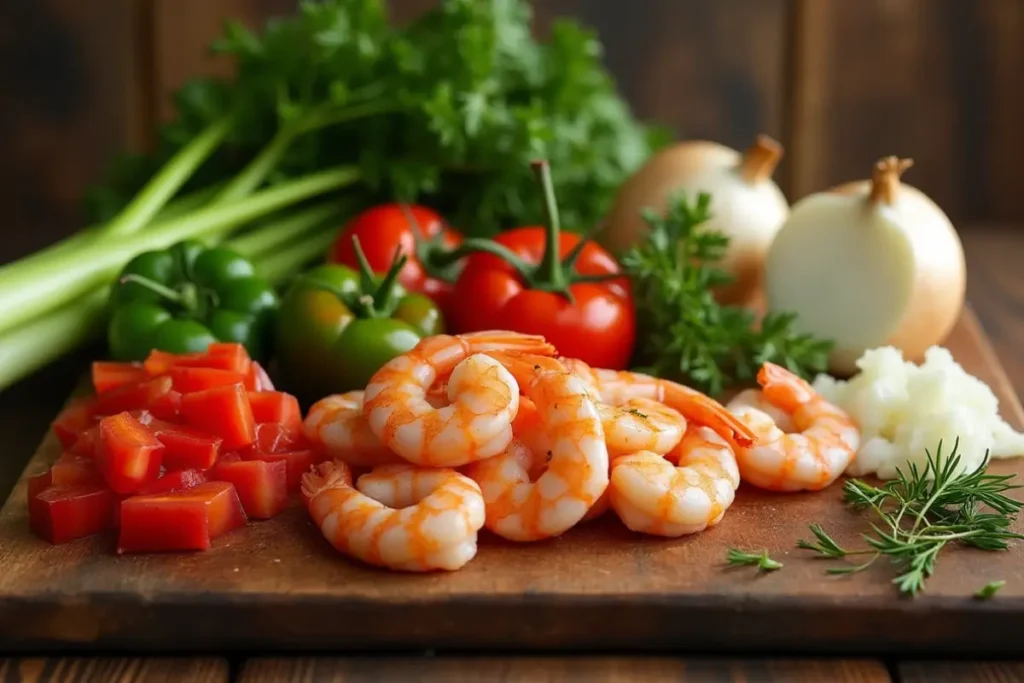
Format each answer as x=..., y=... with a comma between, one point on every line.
x=921, y=512
x=685, y=335
x=741, y=558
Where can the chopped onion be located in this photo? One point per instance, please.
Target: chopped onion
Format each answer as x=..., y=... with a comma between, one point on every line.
x=869, y=264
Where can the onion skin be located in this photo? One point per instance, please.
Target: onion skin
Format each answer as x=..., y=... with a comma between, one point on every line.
x=746, y=204
x=939, y=277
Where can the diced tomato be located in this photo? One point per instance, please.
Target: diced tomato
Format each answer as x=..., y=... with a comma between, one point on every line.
x=258, y=379
x=299, y=462
x=229, y=356
x=276, y=406
x=107, y=375
x=128, y=454
x=233, y=456
x=86, y=442
x=72, y=469
x=132, y=396
x=262, y=485
x=60, y=514
x=185, y=448
x=173, y=481
x=181, y=520
x=274, y=437
x=167, y=406
x=223, y=411
x=187, y=380
x=160, y=362
x=76, y=418
x=218, y=356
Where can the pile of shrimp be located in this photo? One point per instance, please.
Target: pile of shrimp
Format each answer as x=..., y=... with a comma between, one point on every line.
x=494, y=430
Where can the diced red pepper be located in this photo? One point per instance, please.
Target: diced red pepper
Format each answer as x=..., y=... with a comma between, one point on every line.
x=274, y=437
x=219, y=356
x=223, y=411
x=258, y=379
x=108, y=375
x=72, y=469
x=167, y=407
x=60, y=514
x=76, y=418
x=299, y=462
x=160, y=362
x=173, y=481
x=180, y=520
x=185, y=448
x=187, y=380
x=133, y=396
x=128, y=454
x=262, y=486
x=86, y=442
x=38, y=483
x=233, y=456
x=276, y=406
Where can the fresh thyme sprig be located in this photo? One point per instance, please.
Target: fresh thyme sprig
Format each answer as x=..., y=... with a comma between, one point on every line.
x=741, y=558
x=922, y=511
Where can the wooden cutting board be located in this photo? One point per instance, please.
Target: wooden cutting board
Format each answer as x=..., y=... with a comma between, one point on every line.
x=278, y=584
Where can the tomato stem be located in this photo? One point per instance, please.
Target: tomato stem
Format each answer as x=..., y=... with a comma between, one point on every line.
x=378, y=299
x=431, y=253
x=550, y=273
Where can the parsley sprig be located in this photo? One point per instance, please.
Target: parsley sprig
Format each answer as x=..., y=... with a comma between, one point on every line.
x=683, y=333
x=921, y=512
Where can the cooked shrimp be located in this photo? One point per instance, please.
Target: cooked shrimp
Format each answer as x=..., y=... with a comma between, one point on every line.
x=823, y=442
x=653, y=496
x=484, y=398
x=640, y=424
x=619, y=387
x=576, y=473
x=399, y=517
x=338, y=424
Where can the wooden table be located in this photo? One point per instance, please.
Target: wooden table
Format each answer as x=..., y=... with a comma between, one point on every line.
x=993, y=255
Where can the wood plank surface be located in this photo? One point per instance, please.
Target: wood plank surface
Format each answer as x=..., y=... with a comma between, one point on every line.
x=561, y=669
x=935, y=80
x=961, y=672
x=279, y=584
x=114, y=670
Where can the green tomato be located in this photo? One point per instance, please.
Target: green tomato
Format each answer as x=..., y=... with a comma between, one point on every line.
x=366, y=345
x=420, y=312
x=131, y=333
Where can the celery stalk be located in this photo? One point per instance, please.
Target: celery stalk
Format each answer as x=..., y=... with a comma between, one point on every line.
x=281, y=231
x=98, y=262
x=276, y=266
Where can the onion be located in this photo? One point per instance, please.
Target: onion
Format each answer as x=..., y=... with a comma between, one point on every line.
x=746, y=204
x=869, y=264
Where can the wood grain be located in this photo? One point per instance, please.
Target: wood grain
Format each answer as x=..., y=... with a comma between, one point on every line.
x=561, y=669
x=961, y=672
x=280, y=584
x=110, y=670
x=929, y=79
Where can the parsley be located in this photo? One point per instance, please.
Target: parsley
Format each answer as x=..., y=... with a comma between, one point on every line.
x=920, y=513
x=449, y=111
x=740, y=558
x=683, y=333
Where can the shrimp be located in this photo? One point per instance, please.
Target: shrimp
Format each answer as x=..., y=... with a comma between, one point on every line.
x=821, y=445
x=640, y=424
x=576, y=473
x=484, y=398
x=398, y=516
x=338, y=424
x=653, y=496
x=619, y=387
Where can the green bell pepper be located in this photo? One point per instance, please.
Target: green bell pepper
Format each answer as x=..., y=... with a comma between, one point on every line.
x=186, y=297
x=336, y=327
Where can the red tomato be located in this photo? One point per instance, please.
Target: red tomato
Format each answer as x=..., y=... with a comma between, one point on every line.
x=258, y=379
x=262, y=486
x=107, y=375
x=223, y=411
x=60, y=514
x=76, y=418
x=187, y=379
x=133, y=396
x=173, y=481
x=180, y=520
x=298, y=463
x=276, y=406
x=383, y=229
x=185, y=448
x=596, y=326
x=128, y=454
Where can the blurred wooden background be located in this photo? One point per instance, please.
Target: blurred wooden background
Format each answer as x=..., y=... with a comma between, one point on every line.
x=839, y=82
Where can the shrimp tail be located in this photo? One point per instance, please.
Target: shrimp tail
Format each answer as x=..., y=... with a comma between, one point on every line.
x=524, y=366
x=328, y=475
x=504, y=340
x=783, y=388
x=708, y=412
